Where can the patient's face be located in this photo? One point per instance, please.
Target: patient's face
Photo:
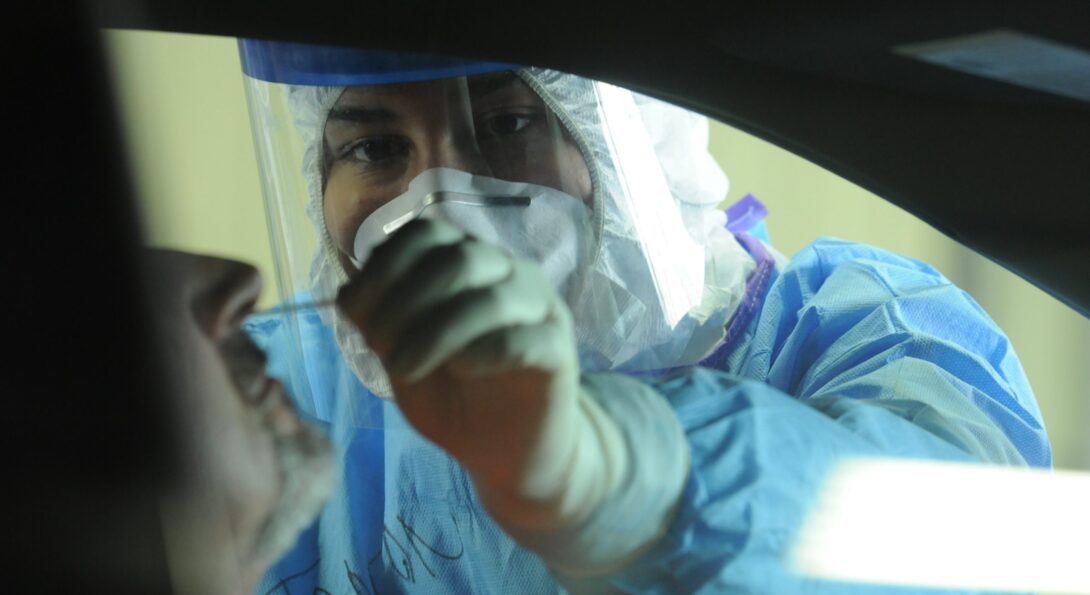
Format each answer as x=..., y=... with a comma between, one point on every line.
x=266, y=469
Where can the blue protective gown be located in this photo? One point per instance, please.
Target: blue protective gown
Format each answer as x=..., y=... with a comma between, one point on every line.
x=852, y=351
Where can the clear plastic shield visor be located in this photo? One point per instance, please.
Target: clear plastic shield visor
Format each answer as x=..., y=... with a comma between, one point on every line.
x=611, y=192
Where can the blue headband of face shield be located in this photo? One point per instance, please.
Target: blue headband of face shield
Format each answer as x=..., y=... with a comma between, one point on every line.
x=305, y=64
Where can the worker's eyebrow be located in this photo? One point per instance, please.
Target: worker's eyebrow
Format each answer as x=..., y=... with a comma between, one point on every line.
x=361, y=115
x=490, y=84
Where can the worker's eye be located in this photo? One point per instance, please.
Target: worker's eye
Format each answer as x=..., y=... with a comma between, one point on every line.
x=499, y=125
x=376, y=150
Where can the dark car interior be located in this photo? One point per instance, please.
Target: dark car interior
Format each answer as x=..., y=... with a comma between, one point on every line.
x=1000, y=165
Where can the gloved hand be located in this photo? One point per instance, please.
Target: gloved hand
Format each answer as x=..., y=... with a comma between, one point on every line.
x=481, y=354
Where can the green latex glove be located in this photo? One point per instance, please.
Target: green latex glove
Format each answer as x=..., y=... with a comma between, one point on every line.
x=482, y=357
x=481, y=354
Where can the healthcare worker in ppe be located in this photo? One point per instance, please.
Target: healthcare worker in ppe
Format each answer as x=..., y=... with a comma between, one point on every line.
x=554, y=363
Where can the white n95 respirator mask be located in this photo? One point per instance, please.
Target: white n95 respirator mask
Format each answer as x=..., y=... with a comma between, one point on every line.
x=533, y=222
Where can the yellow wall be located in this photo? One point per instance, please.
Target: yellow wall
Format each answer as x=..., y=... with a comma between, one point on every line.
x=186, y=122
x=188, y=133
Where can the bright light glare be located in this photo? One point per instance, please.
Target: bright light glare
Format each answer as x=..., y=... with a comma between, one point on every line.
x=676, y=260
x=950, y=525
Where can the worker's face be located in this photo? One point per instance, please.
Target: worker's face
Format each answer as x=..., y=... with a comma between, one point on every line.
x=249, y=452
x=521, y=139
x=378, y=138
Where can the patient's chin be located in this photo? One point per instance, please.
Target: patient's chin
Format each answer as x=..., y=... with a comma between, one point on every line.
x=306, y=463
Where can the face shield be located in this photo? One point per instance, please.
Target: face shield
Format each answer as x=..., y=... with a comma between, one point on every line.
x=614, y=194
